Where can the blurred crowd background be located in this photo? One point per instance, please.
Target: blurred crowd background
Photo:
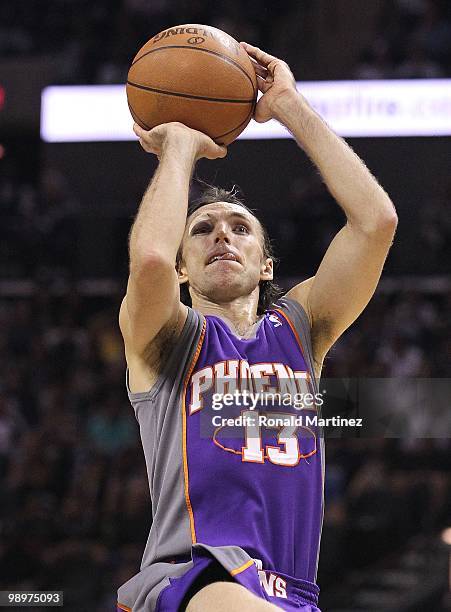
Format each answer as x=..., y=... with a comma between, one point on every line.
x=96, y=40
x=74, y=502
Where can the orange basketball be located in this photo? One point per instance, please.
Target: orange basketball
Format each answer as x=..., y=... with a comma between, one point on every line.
x=197, y=75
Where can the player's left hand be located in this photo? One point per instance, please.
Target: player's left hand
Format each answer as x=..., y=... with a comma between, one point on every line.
x=275, y=80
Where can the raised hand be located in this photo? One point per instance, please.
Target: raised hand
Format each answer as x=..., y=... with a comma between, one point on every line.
x=275, y=80
x=185, y=139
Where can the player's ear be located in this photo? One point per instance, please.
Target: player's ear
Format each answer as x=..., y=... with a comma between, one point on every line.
x=267, y=269
x=182, y=274
x=180, y=267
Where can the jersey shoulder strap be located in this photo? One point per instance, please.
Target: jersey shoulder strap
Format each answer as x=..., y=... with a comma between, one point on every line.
x=300, y=324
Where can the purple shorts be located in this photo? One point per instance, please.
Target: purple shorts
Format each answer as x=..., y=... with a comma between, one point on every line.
x=283, y=591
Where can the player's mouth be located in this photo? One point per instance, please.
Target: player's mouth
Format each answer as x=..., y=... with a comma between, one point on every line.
x=223, y=256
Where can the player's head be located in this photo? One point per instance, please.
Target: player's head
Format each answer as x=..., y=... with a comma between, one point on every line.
x=226, y=251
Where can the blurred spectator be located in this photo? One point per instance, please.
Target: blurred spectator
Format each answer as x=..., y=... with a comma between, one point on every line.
x=412, y=41
x=376, y=62
x=417, y=65
x=96, y=42
x=433, y=32
x=40, y=224
x=108, y=427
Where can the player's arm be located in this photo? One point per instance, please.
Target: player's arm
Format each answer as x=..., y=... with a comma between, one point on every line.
x=153, y=299
x=350, y=270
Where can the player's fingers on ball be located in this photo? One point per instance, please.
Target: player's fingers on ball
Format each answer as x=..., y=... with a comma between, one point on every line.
x=263, y=85
x=138, y=130
x=148, y=148
x=222, y=151
x=145, y=146
x=258, y=54
x=276, y=65
x=259, y=70
x=156, y=132
x=215, y=151
x=281, y=68
x=269, y=78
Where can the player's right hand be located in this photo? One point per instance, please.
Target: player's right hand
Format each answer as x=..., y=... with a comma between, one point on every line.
x=186, y=141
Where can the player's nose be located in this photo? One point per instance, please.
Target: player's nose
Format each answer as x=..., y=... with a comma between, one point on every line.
x=222, y=234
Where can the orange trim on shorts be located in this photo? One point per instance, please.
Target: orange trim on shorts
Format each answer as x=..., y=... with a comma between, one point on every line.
x=240, y=569
x=123, y=607
x=185, y=458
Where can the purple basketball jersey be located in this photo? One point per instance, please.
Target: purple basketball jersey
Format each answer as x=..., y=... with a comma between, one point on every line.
x=233, y=478
x=252, y=482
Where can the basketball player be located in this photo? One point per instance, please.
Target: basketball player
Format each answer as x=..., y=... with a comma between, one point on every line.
x=237, y=510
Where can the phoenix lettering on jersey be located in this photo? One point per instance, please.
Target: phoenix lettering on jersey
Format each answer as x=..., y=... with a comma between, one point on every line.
x=237, y=375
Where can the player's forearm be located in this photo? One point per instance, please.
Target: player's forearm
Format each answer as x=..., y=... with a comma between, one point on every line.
x=160, y=222
x=363, y=200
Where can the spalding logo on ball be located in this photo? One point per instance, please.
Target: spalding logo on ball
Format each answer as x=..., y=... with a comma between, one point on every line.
x=197, y=75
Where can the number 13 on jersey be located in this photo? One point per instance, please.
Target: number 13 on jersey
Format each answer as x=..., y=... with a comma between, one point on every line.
x=287, y=452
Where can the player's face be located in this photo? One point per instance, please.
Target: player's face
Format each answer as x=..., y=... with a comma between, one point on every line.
x=222, y=252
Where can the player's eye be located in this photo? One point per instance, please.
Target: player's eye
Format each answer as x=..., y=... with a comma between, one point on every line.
x=201, y=228
x=241, y=229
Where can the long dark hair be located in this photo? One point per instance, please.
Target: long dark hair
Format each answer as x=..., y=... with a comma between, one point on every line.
x=203, y=193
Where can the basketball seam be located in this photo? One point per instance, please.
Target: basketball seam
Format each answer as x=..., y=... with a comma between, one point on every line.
x=248, y=118
x=136, y=116
x=216, y=53
x=183, y=95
